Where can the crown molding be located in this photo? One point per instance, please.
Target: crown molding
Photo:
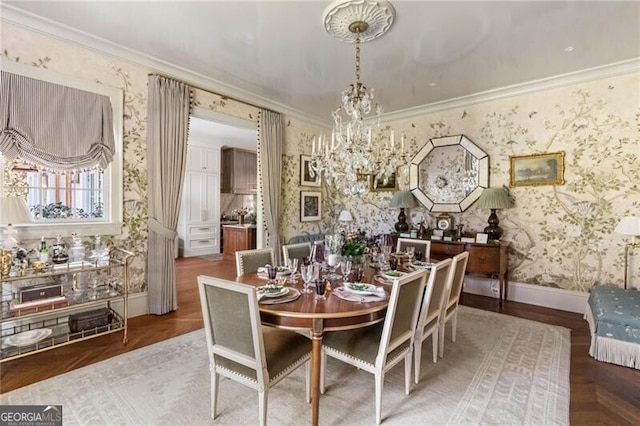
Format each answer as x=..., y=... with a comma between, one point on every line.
x=610, y=70
x=65, y=33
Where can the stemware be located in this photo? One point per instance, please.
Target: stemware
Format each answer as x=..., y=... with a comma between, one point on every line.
x=345, y=266
x=418, y=256
x=411, y=251
x=292, y=265
x=358, y=274
x=307, y=277
x=393, y=263
x=272, y=272
x=321, y=288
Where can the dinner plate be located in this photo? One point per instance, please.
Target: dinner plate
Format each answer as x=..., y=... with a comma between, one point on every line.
x=394, y=274
x=28, y=338
x=422, y=265
x=271, y=291
x=359, y=288
x=282, y=271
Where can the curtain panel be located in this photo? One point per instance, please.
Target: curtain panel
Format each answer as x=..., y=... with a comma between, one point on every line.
x=167, y=133
x=53, y=125
x=269, y=171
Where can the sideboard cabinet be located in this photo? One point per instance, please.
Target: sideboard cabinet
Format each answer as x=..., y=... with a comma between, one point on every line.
x=484, y=259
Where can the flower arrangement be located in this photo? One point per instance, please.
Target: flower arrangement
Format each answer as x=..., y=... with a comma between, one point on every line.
x=355, y=243
x=241, y=211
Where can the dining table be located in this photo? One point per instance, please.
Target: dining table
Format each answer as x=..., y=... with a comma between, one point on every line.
x=308, y=313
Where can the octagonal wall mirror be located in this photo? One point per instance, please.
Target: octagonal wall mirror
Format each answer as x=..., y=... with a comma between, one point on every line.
x=448, y=174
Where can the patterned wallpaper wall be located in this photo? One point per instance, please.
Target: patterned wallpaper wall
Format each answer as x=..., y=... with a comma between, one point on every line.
x=562, y=236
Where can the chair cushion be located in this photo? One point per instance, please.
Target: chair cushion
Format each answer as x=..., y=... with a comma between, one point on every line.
x=303, y=238
x=362, y=343
x=284, y=349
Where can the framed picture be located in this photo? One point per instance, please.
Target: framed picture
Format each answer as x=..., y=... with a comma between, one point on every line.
x=305, y=174
x=310, y=206
x=482, y=238
x=379, y=185
x=538, y=169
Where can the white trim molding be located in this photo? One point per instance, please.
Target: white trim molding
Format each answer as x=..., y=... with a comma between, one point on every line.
x=549, y=297
x=65, y=33
x=610, y=70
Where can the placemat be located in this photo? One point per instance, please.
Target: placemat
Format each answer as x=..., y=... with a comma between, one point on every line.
x=290, y=296
x=352, y=297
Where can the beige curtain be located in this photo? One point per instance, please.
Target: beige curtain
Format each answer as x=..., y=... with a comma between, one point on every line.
x=269, y=167
x=168, y=125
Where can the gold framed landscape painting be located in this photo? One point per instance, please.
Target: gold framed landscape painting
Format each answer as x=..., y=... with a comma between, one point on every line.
x=537, y=169
x=379, y=185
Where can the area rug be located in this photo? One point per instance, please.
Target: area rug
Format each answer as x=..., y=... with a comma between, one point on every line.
x=501, y=370
x=212, y=257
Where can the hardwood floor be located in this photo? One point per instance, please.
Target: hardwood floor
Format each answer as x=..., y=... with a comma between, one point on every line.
x=601, y=393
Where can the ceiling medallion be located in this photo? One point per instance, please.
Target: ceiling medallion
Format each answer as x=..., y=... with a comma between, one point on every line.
x=359, y=149
x=340, y=15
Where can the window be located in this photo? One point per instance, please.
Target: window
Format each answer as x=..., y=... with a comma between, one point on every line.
x=84, y=199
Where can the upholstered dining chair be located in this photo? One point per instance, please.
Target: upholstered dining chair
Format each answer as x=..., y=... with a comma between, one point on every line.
x=452, y=298
x=248, y=261
x=420, y=245
x=432, y=305
x=243, y=350
x=296, y=251
x=379, y=347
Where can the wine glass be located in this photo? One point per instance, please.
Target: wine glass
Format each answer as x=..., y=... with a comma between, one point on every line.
x=418, y=256
x=357, y=275
x=345, y=266
x=292, y=265
x=411, y=251
x=393, y=263
x=307, y=276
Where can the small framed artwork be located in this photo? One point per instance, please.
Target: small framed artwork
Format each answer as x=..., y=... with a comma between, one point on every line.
x=305, y=172
x=379, y=185
x=537, y=169
x=310, y=206
x=482, y=238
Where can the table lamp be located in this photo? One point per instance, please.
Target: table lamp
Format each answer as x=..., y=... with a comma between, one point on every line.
x=13, y=210
x=629, y=225
x=402, y=200
x=494, y=198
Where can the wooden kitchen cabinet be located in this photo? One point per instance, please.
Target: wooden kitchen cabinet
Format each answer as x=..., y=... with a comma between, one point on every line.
x=239, y=171
x=238, y=237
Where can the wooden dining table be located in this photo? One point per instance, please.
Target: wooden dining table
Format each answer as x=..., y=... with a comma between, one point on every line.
x=317, y=316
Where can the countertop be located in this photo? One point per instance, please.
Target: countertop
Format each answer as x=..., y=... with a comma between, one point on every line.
x=228, y=222
x=246, y=225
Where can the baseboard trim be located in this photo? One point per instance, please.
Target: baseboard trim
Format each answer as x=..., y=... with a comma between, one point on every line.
x=138, y=305
x=549, y=297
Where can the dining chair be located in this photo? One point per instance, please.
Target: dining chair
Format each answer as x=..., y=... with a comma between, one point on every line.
x=296, y=251
x=379, y=347
x=248, y=261
x=420, y=245
x=243, y=350
x=452, y=299
x=431, y=306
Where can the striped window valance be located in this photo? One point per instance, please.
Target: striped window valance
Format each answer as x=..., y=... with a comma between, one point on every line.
x=53, y=125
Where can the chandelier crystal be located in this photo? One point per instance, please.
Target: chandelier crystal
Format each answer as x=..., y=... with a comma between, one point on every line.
x=359, y=148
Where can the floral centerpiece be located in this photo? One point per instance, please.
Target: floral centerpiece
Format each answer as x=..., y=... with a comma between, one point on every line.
x=355, y=245
x=240, y=212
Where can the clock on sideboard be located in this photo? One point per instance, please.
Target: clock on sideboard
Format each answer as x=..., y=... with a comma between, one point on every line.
x=444, y=222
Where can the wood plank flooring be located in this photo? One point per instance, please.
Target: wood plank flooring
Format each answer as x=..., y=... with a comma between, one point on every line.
x=601, y=394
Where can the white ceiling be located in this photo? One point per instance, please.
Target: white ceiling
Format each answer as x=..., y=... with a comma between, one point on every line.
x=278, y=53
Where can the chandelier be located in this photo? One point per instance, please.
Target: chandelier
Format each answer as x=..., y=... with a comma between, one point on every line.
x=359, y=149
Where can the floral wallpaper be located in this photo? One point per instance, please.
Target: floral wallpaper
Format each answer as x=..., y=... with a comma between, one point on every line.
x=562, y=236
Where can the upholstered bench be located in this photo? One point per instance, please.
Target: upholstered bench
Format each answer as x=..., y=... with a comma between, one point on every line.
x=613, y=315
x=306, y=237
